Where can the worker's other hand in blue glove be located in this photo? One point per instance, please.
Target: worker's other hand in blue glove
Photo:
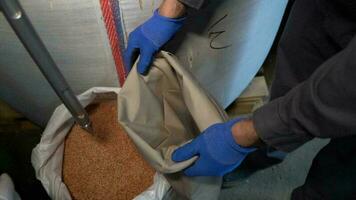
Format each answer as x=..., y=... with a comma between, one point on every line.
x=148, y=38
x=217, y=150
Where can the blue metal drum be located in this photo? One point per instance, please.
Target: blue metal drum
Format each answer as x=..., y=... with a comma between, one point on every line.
x=226, y=43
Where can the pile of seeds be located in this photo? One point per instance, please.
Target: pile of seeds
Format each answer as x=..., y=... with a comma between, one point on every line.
x=105, y=164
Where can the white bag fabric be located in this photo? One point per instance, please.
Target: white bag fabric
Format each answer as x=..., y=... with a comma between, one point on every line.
x=157, y=191
x=7, y=188
x=47, y=156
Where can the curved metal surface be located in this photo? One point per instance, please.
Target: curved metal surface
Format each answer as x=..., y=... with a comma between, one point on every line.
x=75, y=36
x=226, y=43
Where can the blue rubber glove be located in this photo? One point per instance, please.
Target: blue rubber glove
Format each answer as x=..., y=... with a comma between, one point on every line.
x=217, y=150
x=148, y=38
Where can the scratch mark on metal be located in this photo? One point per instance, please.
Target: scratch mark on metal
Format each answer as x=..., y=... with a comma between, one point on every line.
x=218, y=21
x=50, y=4
x=152, y=5
x=215, y=34
x=140, y=3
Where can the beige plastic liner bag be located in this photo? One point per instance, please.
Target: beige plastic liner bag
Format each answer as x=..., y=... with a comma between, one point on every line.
x=164, y=109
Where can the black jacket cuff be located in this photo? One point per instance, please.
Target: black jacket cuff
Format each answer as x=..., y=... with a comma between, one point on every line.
x=272, y=130
x=197, y=4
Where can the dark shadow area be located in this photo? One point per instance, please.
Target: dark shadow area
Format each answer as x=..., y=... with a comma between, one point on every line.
x=15, y=160
x=256, y=161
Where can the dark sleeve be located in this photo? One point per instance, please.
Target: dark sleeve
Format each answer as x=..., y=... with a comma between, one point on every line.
x=193, y=3
x=323, y=106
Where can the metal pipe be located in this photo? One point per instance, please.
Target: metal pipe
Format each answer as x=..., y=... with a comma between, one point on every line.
x=24, y=30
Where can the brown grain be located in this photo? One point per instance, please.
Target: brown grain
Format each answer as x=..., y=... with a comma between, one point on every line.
x=105, y=165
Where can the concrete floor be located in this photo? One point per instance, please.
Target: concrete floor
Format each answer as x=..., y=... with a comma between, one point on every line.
x=278, y=181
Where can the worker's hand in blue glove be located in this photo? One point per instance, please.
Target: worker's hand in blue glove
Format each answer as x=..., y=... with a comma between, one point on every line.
x=148, y=38
x=217, y=150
